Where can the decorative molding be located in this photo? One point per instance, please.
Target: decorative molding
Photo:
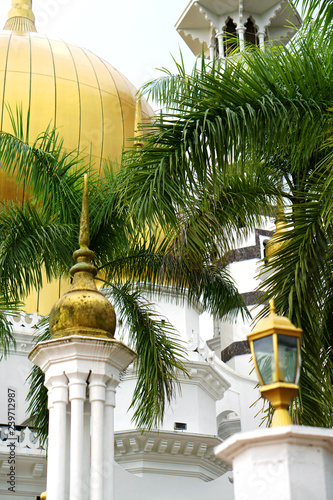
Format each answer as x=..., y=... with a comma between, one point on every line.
x=38, y=470
x=201, y=374
x=235, y=349
x=24, y=328
x=251, y=252
x=211, y=18
x=170, y=453
x=214, y=343
x=250, y=298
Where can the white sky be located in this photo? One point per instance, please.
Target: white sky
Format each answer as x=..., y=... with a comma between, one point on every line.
x=135, y=36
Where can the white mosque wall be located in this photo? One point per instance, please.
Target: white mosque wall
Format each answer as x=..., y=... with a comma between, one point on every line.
x=15, y=368
x=166, y=486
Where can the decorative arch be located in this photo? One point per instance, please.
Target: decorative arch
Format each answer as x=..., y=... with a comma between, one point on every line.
x=251, y=31
x=230, y=39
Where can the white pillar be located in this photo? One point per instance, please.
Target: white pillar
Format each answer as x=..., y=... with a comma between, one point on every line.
x=110, y=403
x=289, y=463
x=97, y=399
x=261, y=38
x=212, y=52
x=77, y=395
x=241, y=36
x=56, y=470
x=220, y=42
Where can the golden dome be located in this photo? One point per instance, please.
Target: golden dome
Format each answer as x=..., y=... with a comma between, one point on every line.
x=83, y=310
x=88, y=100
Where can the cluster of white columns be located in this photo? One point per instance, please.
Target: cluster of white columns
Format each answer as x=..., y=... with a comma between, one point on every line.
x=241, y=29
x=80, y=373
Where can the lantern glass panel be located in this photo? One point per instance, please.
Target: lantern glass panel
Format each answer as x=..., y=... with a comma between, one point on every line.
x=264, y=354
x=287, y=354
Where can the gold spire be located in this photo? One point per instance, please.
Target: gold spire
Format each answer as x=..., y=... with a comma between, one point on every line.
x=20, y=17
x=83, y=310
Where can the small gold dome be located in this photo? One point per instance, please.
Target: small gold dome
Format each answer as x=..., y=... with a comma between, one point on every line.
x=83, y=310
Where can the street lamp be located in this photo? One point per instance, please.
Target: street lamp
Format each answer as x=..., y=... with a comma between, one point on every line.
x=276, y=350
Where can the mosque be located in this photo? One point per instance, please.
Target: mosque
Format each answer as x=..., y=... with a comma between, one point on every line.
x=95, y=106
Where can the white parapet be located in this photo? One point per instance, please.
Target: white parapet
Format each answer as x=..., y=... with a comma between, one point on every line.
x=283, y=463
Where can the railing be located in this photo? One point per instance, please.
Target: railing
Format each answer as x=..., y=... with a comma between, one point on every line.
x=24, y=437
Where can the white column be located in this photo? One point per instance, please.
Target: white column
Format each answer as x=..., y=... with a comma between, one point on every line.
x=261, y=38
x=77, y=395
x=212, y=46
x=241, y=36
x=110, y=403
x=97, y=399
x=212, y=52
x=220, y=42
x=56, y=470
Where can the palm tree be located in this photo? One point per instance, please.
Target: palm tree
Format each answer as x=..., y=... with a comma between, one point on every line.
x=240, y=136
x=41, y=232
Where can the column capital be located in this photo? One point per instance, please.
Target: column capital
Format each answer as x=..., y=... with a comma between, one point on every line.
x=57, y=390
x=97, y=387
x=241, y=29
x=77, y=384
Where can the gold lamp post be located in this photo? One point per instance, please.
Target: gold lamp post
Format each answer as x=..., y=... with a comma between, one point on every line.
x=276, y=350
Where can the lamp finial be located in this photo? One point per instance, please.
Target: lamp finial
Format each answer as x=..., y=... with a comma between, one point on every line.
x=272, y=306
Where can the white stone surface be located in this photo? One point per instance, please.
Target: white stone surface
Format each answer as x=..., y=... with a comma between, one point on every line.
x=282, y=463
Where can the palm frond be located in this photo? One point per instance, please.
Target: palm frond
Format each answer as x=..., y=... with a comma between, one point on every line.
x=37, y=394
x=160, y=355
x=30, y=242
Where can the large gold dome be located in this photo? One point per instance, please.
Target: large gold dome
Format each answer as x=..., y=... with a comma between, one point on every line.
x=88, y=100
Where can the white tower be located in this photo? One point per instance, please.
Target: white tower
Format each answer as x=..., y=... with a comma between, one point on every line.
x=81, y=363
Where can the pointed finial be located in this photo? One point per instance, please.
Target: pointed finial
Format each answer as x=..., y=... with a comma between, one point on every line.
x=137, y=122
x=20, y=17
x=272, y=306
x=84, y=256
x=83, y=310
x=84, y=239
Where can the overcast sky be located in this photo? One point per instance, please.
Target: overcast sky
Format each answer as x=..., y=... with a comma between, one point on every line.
x=134, y=36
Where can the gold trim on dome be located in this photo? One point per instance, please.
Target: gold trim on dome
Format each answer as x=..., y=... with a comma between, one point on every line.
x=83, y=310
x=137, y=122
x=20, y=17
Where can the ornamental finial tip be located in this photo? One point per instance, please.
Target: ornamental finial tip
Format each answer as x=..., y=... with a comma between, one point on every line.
x=272, y=306
x=84, y=239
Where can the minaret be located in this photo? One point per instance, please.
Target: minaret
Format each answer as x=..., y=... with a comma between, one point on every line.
x=81, y=362
x=20, y=17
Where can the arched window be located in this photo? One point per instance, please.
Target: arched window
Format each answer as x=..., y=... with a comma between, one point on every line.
x=230, y=37
x=251, y=32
